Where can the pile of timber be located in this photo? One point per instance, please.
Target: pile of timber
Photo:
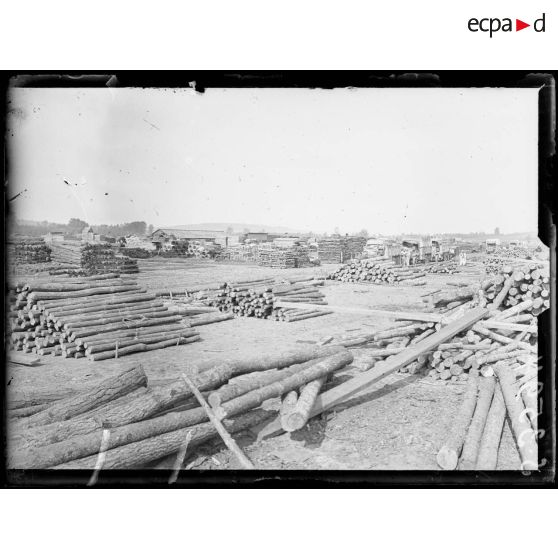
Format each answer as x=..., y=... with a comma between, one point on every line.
x=77, y=258
x=175, y=249
x=330, y=250
x=139, y=253
x=377, y=271
x=99, y=317
x=138, y=425
x=260, y=299
x=339, y=249
x=449, y=267
x=28, y=250
x=520, y=252
x=276, y=256
x=474, y=439
x=240, y=253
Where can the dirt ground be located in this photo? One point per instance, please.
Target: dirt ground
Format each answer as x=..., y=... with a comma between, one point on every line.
x=398, y=424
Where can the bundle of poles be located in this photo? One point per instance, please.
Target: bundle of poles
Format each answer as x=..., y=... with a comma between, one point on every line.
x=101, y=317
x=376, y=270
x=442, y=267
x=140, y=425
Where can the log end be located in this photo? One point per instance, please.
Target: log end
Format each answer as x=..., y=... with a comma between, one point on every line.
x=447, y=458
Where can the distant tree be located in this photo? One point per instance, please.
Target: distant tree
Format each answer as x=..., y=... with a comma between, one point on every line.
x=497, y=231
x=363, y=232
x=150, y=229
x=76, y=225
x=229, y=231
x=336, y=230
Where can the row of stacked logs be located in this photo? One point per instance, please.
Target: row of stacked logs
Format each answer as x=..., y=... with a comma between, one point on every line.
x=102, y=317
x=28, y=250
x=377, y=271
x=260, y=300
x=80, y=259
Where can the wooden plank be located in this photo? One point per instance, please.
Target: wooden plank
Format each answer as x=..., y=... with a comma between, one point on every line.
x=23, y=359
x=492, y=324
x=416, y=316
x=341, y=393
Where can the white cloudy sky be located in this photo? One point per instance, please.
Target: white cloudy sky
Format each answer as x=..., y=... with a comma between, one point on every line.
x=388, y=160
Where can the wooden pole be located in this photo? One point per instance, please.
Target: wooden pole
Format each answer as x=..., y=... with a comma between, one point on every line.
x=490, y=442
x=137, y=454
x=448, y=455
x=525, y=437
x=300, y=413
x=474, y=434
x=225, y=436
x=256, y=397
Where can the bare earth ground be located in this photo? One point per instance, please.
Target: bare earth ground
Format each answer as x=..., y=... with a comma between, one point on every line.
x=398, y=424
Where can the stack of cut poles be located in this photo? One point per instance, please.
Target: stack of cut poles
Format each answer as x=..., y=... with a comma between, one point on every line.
x=275, y=256
x=77, y=258
x=376, y=271
x=139, y=425
x=99, y=317
x=28, y=250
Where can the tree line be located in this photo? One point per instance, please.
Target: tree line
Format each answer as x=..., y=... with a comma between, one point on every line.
x=75, y=226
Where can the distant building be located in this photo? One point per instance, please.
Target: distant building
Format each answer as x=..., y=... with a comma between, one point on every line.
x=164, y=235
x=286, y=241
x=256, y=237
x=87, y=234
x=54, y=237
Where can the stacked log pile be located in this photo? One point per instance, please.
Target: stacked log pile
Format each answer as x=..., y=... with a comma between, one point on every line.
x=241, y=253
x=330, y=250
x=261, y=300
x=142, y=425
x=100, y=317
x=177, y=249
x=139, y=253
x=519, y=252
x=28, y=250
x=353, y=247
x=276, y=256
x=449, y=267
x=376, y=271
x=90, y=259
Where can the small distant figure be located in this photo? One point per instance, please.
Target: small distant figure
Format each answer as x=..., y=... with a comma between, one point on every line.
x=462, y=258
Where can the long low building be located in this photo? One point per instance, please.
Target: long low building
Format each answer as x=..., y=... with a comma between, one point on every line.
x=161, y=235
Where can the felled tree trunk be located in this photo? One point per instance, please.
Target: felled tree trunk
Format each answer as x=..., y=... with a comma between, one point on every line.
x=488, y=451
x=474, y=434
x=448, y=455
x=107, y=390
x=150, y=449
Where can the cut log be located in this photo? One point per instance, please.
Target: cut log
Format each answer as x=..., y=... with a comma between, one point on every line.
x=472, y=442
x=108, y=390
x=257, y=380
x=254, y=398
x=151, y=449
x=448, y=455
x=488, y=451
x=300, y=414
x=525, y=437
x=288, y=404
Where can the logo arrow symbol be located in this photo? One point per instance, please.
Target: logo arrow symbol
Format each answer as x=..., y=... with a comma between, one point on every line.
x=519, y=25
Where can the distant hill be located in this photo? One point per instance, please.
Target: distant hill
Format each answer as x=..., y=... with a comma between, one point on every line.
x=237, y=228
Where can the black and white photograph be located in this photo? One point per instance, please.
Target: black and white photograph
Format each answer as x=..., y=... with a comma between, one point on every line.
x=247, y=276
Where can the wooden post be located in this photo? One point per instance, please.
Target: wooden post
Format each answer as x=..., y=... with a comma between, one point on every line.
x=448, y=455
x=525, y=437
x=490, y=442
x=473, y=439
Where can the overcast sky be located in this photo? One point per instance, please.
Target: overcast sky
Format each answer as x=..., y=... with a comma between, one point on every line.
x=387, y=160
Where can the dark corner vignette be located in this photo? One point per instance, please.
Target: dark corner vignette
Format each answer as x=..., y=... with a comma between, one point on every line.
x=201, y=82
